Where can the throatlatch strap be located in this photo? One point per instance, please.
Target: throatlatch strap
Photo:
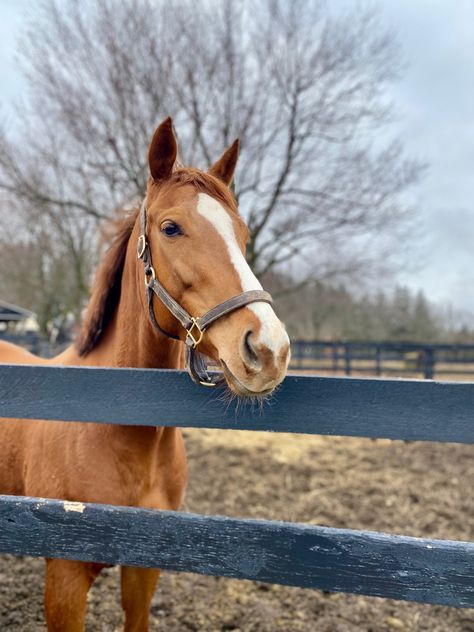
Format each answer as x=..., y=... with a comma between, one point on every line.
x=154, y=322
x=168, y=301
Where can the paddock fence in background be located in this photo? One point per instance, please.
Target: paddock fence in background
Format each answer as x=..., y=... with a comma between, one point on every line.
x=384, y=358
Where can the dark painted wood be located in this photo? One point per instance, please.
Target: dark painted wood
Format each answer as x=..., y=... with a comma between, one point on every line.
x=394, y=409
x=432, y=571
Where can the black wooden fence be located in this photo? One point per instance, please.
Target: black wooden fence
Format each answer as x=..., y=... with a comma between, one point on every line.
x=368, y=563
x=384, y=358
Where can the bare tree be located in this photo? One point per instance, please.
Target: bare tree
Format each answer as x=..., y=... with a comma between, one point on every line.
x=45, y=260
x=303, y=87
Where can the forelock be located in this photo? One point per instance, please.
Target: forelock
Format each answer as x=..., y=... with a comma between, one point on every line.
x=203, y=183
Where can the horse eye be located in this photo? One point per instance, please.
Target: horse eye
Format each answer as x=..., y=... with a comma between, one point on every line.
x=170, y=229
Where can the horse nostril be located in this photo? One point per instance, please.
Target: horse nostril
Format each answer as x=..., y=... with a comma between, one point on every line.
x=249, y=353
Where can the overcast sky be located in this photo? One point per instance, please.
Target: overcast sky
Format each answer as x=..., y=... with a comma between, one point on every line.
x=435, y=99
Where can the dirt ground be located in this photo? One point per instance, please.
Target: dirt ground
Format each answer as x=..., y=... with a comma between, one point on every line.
x=420, y=489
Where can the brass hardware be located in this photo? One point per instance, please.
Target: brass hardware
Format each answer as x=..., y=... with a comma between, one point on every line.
x=149, y=272
x=194, y=341
x=141, y=246
x=207, y=383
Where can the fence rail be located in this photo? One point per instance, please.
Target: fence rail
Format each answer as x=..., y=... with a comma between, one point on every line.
x=432, y=571
x=361, y=407
x=368, y=563
x=385, y=357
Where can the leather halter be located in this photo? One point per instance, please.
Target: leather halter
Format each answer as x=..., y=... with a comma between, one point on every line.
x=194, y=327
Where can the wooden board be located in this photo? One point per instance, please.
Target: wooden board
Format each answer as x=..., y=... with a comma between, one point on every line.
x=432, y=571
x=394, y=409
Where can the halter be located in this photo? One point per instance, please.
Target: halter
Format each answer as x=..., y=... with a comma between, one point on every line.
x=194, y=327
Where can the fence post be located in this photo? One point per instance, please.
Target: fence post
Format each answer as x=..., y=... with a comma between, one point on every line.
x=335, y=353
x=378, y=368
x=429, y=357
x=347, y=358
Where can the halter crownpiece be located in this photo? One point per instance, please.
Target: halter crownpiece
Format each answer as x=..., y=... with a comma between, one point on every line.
x=195, y=327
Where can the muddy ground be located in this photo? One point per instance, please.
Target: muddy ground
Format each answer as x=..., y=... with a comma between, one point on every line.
x=419, y=489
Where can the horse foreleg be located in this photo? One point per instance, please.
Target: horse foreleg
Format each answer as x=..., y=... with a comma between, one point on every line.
x=138, y=586
x=65, y=596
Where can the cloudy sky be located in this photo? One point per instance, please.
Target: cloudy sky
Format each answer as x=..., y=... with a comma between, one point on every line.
x=435, y=99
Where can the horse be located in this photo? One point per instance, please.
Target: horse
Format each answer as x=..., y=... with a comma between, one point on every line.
x=190, y=228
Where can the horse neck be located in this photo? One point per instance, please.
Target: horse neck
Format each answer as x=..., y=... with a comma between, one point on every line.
x=130, y=339
x=137, y=343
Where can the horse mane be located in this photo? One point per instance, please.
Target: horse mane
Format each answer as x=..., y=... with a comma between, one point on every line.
x=106, y=289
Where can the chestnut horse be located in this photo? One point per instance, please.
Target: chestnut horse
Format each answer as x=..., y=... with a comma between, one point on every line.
x=196, y=240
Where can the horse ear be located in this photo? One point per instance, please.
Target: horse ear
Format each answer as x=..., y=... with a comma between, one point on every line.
x=224, y=168
x=162, y=151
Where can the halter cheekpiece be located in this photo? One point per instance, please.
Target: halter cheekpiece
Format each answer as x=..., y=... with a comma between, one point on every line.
x=194, y=327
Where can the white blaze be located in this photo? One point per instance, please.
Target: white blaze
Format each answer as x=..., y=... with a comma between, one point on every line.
x=272, y=332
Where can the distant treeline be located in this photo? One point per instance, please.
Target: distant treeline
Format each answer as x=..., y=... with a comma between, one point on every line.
x=320, y=311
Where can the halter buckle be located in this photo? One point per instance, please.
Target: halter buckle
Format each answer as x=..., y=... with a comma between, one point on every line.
x=149, y=272
x=141, y=246
x=193, y=339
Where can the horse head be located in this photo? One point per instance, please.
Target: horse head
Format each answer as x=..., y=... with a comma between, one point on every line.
x=196, y=239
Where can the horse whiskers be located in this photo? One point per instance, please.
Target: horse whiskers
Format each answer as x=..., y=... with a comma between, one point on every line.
x=255, y=402
x=226, y=397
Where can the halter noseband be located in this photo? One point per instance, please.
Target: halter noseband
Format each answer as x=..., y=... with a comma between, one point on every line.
x=195, y=327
